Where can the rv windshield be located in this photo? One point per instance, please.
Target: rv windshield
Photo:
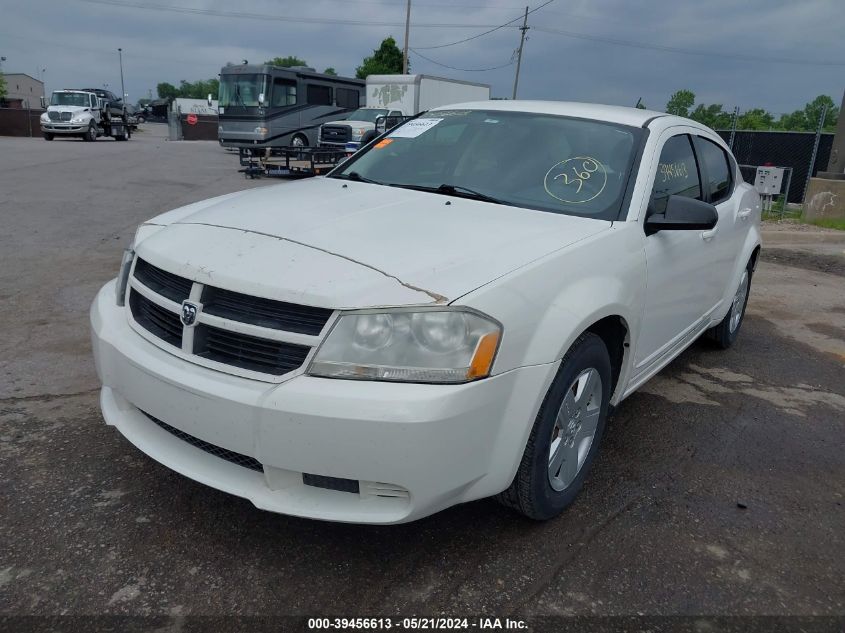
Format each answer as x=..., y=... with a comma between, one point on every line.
x=242, y=90
x=366, y=114
x=70, y=99
x=530, y=160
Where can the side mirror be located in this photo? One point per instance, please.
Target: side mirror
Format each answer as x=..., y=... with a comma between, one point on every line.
x=683, y=214
x=261, y=99
x=43, y=101
x=209, y=99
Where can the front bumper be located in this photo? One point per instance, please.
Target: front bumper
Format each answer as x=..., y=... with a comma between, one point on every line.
x=412, y=449
x=64, y=128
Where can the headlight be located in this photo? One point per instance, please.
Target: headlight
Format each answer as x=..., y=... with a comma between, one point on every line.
x=45, y=118
x=123, y=277
x=358, y=132
x=77, y=119
x=436, y=346
x=260, y=130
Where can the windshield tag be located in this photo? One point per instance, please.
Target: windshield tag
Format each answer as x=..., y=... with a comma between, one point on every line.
x=413, y=129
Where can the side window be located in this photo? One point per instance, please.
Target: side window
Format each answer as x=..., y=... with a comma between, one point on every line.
x=677, y=173
x=284, y=92
x=319, y=95
x=94, y=103
x=394, y=113
x=347, y=98
x=717, y=167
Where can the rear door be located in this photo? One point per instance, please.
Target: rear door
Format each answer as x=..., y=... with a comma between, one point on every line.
x=718, y=176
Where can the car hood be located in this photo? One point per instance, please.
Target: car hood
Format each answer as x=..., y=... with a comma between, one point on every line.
x=345, y=244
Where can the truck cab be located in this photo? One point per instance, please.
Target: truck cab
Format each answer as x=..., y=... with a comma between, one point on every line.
x=349, y=133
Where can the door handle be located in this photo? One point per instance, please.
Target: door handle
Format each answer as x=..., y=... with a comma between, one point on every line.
x=743, y=215
x=708, y=235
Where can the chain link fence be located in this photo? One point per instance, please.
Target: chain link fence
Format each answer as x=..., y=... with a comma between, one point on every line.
x=800, y=154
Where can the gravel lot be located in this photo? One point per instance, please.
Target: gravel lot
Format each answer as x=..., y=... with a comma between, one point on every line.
x=719, y=489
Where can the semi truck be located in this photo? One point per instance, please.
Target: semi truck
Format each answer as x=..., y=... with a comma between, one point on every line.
x=87, y=113
x=391, y=99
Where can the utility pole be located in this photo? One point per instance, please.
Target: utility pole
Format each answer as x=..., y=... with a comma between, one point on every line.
x=407, y=33
x=523, y=28
x=122, y=89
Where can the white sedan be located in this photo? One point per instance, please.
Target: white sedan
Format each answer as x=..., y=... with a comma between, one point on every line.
x=449, y=315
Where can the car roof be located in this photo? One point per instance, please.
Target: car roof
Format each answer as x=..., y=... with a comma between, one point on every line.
x=612, y=114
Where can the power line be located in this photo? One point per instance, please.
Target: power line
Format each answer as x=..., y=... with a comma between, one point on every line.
x=501, y=26
x=466, y=70
x=278, y=18
x=686, y=51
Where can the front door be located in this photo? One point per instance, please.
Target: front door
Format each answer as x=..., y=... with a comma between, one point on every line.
x=679, y=288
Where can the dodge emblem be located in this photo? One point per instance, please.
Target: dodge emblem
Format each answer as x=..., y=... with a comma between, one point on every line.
x=189, y=313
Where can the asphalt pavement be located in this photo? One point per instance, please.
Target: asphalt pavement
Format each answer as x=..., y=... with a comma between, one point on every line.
x=719, y=489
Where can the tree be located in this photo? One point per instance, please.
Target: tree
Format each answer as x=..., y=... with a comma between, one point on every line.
x=286, y=62
x=330, y=71
x=2, y=86
x=712, y=116
x=813, y=111
x=755, y=119
x=167, y=91
x=386, y=60
x=680, y=102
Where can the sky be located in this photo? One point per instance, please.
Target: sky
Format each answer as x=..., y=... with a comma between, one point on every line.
x=758, y=53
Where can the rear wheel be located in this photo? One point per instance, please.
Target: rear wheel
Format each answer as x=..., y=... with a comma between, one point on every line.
x=724, y=334
x=566, y=434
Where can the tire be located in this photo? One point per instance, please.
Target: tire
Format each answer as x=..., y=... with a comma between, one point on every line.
x=541, y=490
x=91, y=134
x=299, y=140
x=48, y=136
x=141, y=120
x=724, y=334
x=369, y=135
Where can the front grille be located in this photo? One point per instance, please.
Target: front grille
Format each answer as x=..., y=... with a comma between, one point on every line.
x=53, y=116
x=336, y=133
x=249, y=348
x=155, y=319
x=230, y=456
x=248, y=352
x=162, y=282
x=331, y=483
x=267, y=313
x=65, y=116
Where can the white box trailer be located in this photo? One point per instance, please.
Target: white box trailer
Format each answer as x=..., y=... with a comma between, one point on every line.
x=412, y=94
x=392, y=96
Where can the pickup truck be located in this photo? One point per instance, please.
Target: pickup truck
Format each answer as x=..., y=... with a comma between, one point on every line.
x=435, y=321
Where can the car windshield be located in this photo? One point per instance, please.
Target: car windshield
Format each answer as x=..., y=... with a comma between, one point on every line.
x=536, y=161
x=366, y=114
x=70, y=99
x=241, y=90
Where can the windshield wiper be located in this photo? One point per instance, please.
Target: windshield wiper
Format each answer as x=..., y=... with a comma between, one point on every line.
x=354, y=175
x=454, y=190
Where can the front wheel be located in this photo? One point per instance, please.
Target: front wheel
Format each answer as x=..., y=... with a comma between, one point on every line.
x=91, y=134
x=724, y=334
x=566, y=434
x=299, y=141
x=48, y=136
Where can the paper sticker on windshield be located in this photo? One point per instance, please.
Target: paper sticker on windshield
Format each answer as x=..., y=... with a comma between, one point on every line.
x=576, y=180
x=413, y=129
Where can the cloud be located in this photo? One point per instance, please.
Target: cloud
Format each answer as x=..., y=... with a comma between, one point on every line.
x=77, y=42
